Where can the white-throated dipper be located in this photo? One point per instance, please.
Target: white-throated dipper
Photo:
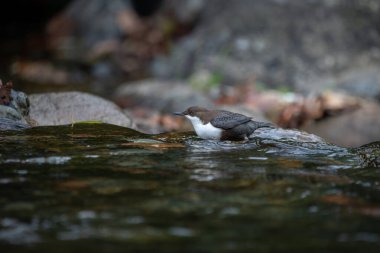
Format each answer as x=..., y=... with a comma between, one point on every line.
x=220, y=124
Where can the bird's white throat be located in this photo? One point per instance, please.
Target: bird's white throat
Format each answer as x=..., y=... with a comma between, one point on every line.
x=206, y=131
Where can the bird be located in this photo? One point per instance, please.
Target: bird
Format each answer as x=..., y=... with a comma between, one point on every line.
x=220, y=124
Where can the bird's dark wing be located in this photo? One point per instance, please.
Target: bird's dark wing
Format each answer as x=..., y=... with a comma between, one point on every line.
x=228, y=120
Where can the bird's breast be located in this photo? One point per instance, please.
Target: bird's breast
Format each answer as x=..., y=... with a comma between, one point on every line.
x=208, y=131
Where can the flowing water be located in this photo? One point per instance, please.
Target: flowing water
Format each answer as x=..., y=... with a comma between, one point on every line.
x=102, y=188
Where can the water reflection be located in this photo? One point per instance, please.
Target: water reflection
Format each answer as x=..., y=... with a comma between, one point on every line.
x=205, y=175
x=16, y=232
x=41, y=160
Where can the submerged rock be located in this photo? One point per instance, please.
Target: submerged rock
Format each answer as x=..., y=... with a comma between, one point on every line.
x=70, y=107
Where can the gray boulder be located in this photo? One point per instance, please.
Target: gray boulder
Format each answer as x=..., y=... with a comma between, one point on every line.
x=70, y=107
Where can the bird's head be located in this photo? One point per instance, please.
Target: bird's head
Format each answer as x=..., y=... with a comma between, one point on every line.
x=193, y=111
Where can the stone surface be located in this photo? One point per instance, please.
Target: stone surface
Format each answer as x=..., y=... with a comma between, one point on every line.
x=163, y=96
x=14, y=108
x=70, y=107
x=350, y=129
x=291, y=135
x=20, y=102
x=10, y=124
x=10, y=113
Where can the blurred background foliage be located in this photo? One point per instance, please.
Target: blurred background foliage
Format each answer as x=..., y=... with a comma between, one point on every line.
x=298, y=63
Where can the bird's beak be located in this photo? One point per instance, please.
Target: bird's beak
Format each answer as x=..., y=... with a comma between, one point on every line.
x=179, y=113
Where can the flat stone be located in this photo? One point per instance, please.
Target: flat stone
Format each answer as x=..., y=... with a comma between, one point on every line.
x=68, y=107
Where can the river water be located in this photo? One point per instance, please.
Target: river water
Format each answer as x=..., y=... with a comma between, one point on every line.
x=103, y=188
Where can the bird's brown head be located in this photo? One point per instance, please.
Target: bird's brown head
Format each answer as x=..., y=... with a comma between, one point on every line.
x=192, y=111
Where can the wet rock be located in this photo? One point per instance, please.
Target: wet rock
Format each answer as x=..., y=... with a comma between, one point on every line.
x=10, y=113
x=352, y=128
x=268, y=43
x=369, y=154
x=14, y=108
x=70, y=107
x=293, y=135
x=164, y=96
x=20, y=102
x=16, y=100
x=9, y=124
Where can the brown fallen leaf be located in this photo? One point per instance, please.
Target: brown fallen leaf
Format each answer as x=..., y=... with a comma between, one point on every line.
x=316, y=107
x=163, y=145
x=340, y=200
x=73, y=184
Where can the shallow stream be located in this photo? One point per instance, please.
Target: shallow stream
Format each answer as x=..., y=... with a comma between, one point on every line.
x=103, y=188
